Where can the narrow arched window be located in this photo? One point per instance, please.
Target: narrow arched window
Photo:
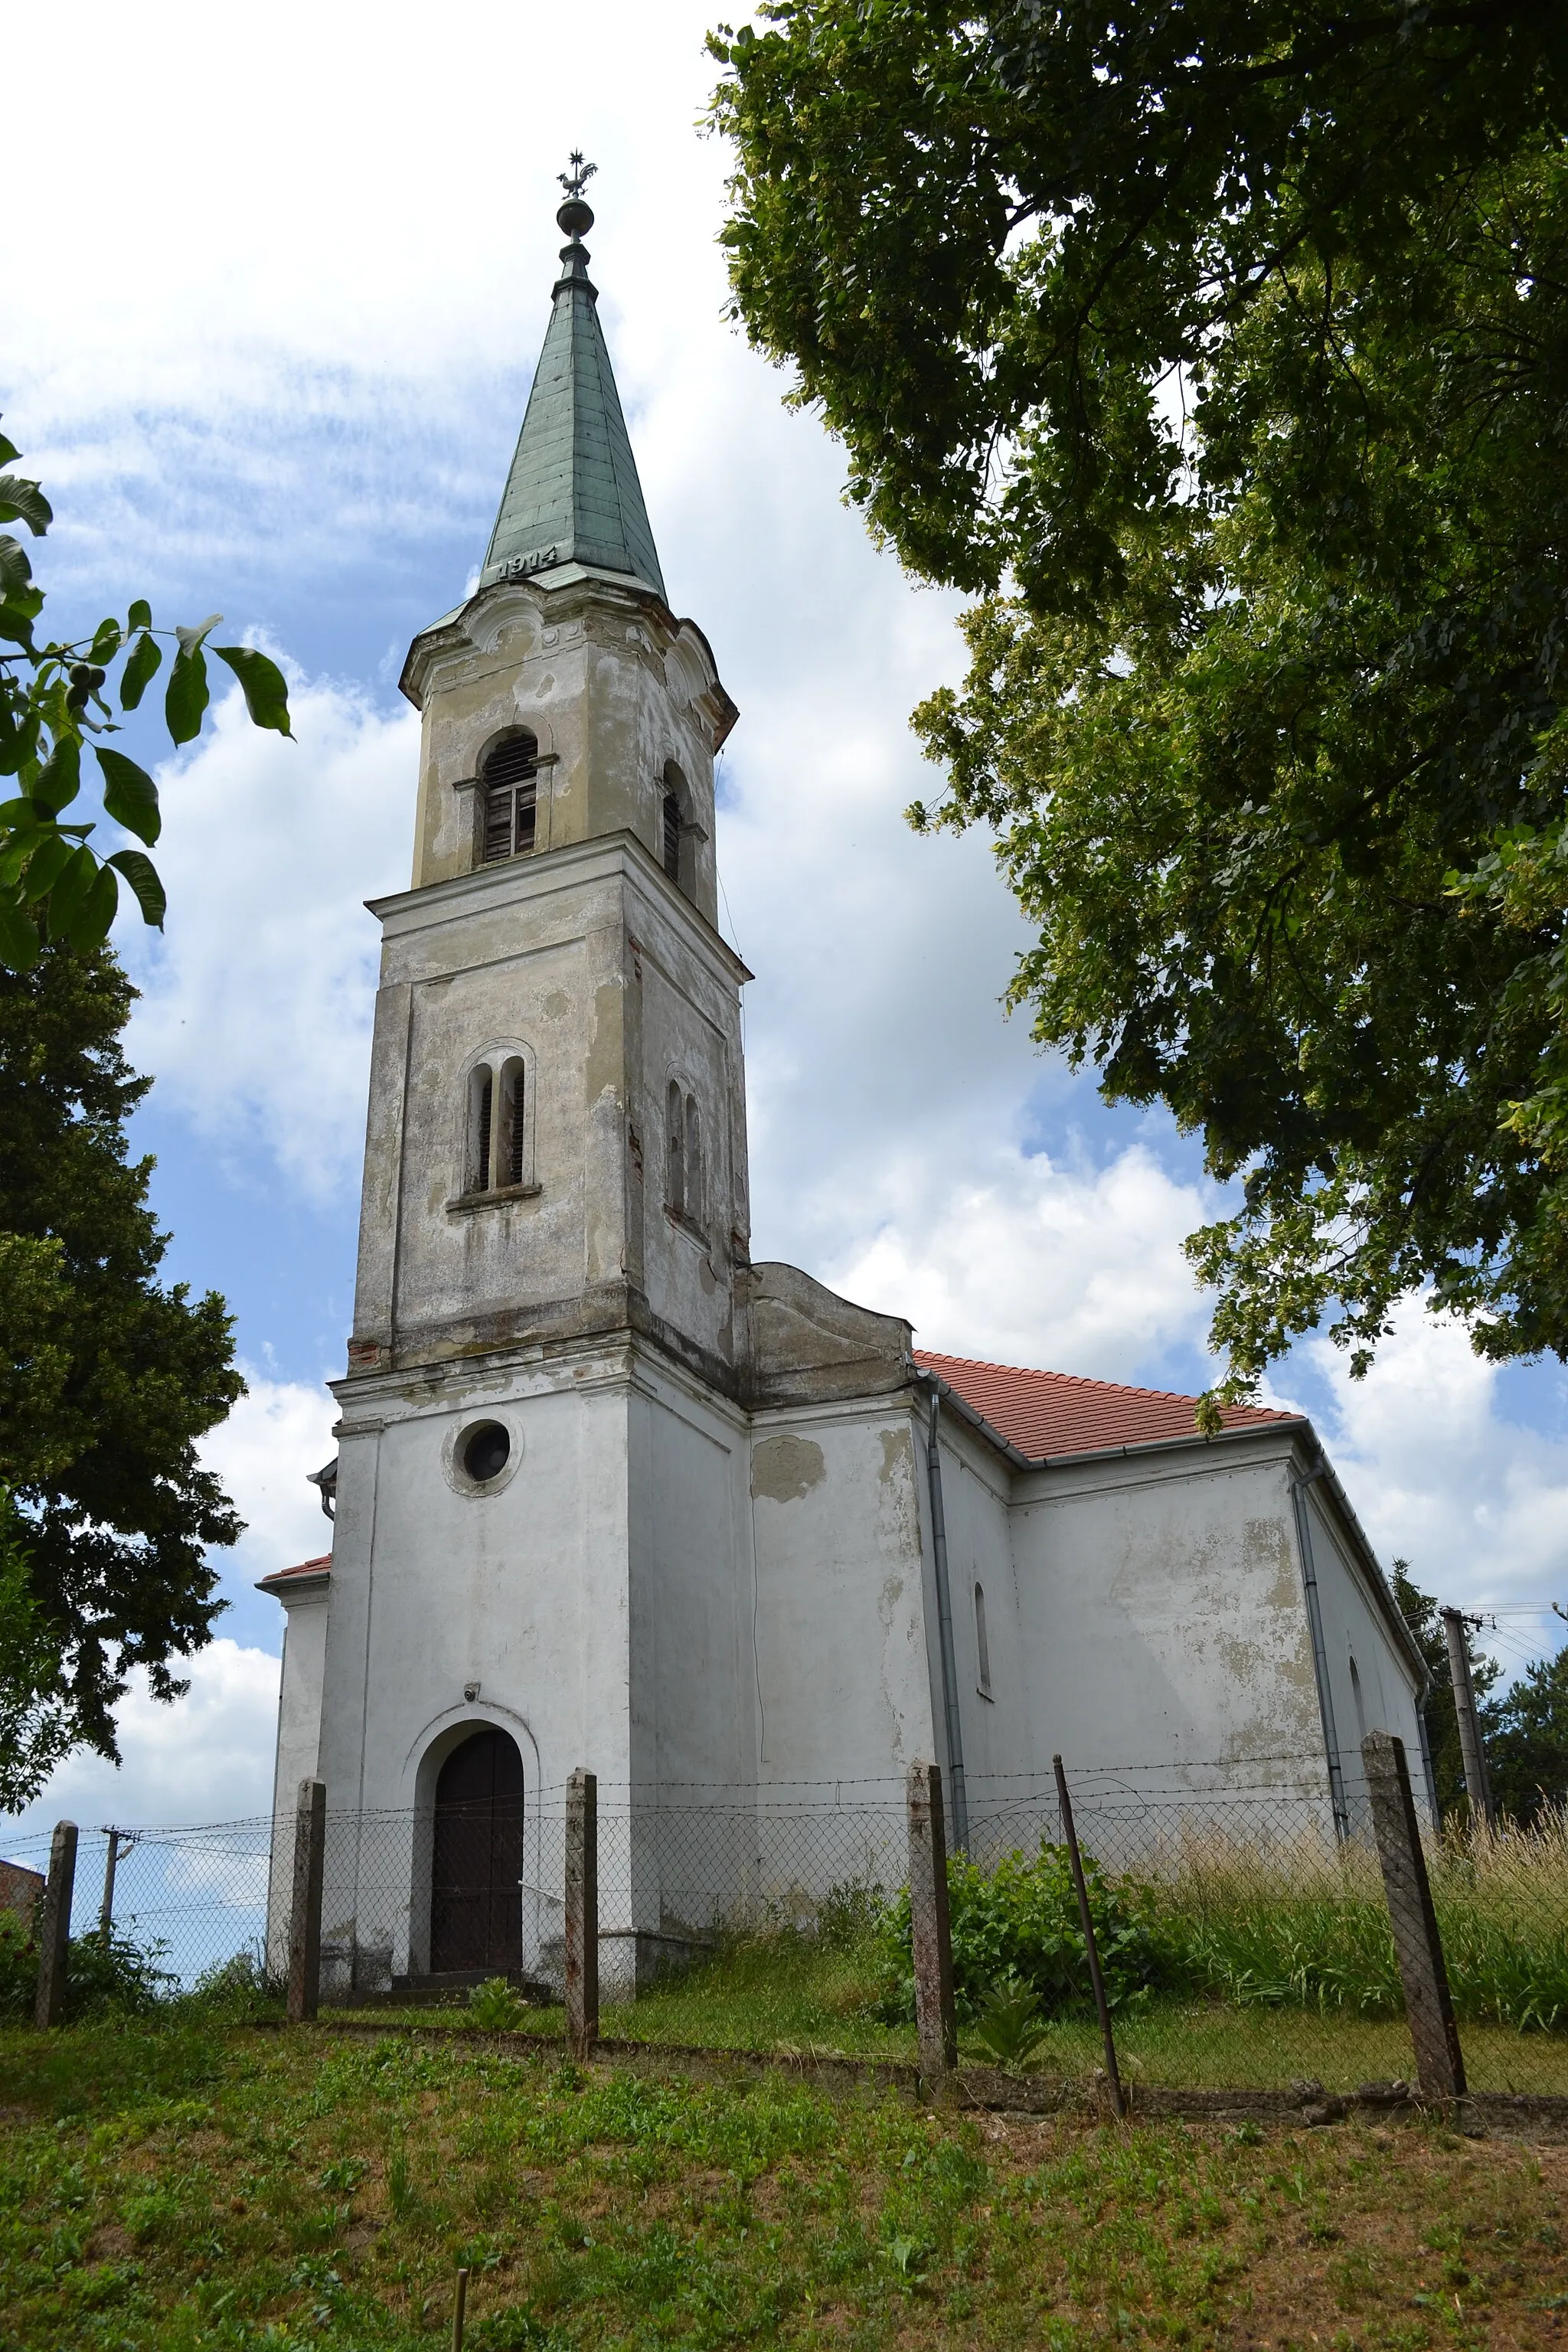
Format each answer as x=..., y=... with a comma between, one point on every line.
x=514, y=1157
x=693, y=1162
x=675, y=1186
x=672, y=837
x=481, y=1110
x=982, y=1642
x=509, y=785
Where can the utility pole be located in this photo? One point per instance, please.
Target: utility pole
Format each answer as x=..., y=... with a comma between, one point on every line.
x=1478, y=1788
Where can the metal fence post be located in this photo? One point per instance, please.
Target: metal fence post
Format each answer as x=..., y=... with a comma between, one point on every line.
x=931, y=1933
x=305, y=1915
x=1439, y=2063
x=55, y=1927
x=1086, y=1920
x=582, y=1912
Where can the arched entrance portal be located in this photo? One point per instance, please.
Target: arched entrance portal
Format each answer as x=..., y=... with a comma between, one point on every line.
x=476, y=1897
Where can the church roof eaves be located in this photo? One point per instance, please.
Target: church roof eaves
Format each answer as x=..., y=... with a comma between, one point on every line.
x=1049, y=1417
x=305, y=1571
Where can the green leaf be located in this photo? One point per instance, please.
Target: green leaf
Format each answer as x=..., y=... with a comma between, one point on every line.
x=20, y=813
x=23, y=502
x=59, y=781
x=141, y=668
x=266, y=691
x=20, y=946
x=96, y=913
x=192, y=640
x=15, y=569
x=47, y=863
x=17, y=614
x=8, y=450
x=139, y=617
x=142, y=876
x=187, y=697
x=68, y=893
x=130, y=795
x=106, y=642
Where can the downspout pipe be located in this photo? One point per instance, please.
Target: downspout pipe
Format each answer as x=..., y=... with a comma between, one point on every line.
x=954, y=1727
x=1298, y=1486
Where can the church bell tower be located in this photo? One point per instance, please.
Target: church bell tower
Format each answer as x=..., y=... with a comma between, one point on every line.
x=537, y=1557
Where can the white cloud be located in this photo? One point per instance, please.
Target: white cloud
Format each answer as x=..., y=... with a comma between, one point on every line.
x=277, y=1432
x=1036, y=1264
x=1442, y=1476
x=257, y=1002
x=208, y=1757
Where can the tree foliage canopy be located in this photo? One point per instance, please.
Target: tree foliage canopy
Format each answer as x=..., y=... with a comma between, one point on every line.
x=111, y=1379
x=54, y=884
x=1221, y=350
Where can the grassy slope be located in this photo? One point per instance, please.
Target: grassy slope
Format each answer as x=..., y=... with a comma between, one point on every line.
x=790, y=1993
x=178, y=2187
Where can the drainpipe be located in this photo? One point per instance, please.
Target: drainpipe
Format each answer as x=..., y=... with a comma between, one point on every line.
x=1298, y=1486
x=944, y=1627
x=1421, y=1696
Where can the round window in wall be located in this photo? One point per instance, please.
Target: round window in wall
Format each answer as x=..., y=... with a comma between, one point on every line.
x=484, y=1451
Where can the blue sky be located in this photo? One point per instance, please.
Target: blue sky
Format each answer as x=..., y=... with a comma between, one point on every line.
x=285, y=381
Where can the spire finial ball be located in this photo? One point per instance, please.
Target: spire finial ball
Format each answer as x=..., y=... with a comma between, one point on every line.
x=575, y=216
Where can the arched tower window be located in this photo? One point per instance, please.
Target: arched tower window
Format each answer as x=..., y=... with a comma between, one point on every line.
x=683, y=1162
x=509, y=786
x=481, y=1120
x=693, y=1162
x=512, y=1158
x=498, y=1151
x=675, y=1186
x=674, y=850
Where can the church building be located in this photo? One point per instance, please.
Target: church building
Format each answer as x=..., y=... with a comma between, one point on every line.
x=610, y=1492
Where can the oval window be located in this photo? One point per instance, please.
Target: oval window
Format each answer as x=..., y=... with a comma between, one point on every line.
x=486, y=1452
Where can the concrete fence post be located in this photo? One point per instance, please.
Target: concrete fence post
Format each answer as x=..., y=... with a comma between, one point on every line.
x=1478, y=1782
x=305, y=1912
x=582, y=1912
x=55, y=1927
x=929, y=1930
x=1439, y=2063
x=110, y=1864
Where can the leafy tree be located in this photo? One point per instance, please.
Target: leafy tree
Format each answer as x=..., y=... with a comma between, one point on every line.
x=1421, y=1613
x=1222, y=351
x=36, y=1724
x=1527, y=1741
x=111, y=1379
x=53, y=884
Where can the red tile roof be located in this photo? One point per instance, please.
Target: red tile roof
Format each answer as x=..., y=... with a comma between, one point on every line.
x=321, y=1567
x=1053, y=1413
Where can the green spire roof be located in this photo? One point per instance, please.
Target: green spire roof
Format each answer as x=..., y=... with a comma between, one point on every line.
x=573, y=494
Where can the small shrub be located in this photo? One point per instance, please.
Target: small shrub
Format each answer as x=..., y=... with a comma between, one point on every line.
x=102, y=1975
x=1019, y=1919
x=237, y=1989
x=1009, y=2027
x=494, y=2006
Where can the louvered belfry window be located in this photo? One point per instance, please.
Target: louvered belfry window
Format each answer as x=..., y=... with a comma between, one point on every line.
x=509, y=780
x=672, y=836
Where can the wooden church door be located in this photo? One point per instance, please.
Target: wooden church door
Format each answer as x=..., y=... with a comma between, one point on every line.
x=476, y=1900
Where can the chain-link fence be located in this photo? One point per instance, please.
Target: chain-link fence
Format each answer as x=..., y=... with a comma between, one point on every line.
x=1245, y=1942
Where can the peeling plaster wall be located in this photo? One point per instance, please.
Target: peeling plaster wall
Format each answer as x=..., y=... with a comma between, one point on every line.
x=1354, y=1626
x=1162, y=1616
x=842, y=1659
x=614, y=987
x=976, y=1490
x=521, y=1590
x=299, y=1750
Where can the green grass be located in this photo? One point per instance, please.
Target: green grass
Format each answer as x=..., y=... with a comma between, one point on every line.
x=789, y=1993
x=169, y=2187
